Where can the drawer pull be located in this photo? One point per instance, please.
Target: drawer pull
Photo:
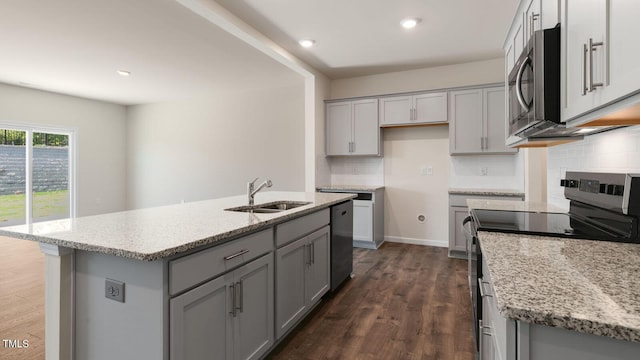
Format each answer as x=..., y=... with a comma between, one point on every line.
x=239, y=253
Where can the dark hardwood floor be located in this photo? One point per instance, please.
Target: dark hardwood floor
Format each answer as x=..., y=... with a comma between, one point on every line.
x=404, y=302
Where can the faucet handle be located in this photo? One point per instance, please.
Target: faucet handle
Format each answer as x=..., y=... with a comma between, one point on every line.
x=253, y=181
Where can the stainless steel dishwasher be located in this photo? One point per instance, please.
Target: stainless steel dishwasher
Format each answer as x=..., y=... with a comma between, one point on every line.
x=341, y=243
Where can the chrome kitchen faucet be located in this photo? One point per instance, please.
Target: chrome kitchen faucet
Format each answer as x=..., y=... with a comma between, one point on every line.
x=250, y=188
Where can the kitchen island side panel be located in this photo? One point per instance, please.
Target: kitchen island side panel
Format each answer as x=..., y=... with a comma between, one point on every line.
x=106, y=329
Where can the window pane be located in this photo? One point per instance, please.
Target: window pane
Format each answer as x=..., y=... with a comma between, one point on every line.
x=12, y=177
x=50, y=176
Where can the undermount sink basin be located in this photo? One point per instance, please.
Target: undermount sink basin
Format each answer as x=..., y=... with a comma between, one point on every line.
x=272, y=207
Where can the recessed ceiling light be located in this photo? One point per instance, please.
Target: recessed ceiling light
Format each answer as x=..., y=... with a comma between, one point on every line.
x=123, y=72
x=409, y=23
x=306, y=43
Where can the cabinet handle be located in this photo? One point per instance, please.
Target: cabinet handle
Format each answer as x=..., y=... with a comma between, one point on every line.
x=480, y=339
x=233, y=300
x=307, y=249
x=481, y=288
x=584, y=69
x=241, y=296
x=592, y=47
x=313, y=253
x=482, y=327
x=239, y=253
x=533, y=18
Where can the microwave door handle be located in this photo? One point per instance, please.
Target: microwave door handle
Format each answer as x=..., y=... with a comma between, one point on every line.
x=519, y=95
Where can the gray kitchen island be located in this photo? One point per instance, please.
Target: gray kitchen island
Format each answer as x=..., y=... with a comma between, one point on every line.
x=180, y=281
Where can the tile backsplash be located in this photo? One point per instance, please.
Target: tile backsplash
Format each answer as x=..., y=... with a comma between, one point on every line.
x=488, y=172
x=612, y=151
x=357, y=171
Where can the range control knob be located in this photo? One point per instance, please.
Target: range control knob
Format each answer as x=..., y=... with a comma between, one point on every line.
x=569, y=183
x=618, y=190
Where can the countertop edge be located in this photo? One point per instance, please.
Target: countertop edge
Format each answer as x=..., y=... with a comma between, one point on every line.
x=177, y=250
x=532, y=316
x=487, y=192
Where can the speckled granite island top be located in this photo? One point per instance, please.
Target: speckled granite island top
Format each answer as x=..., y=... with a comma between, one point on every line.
x=350, y=187
x=155, y=233
x=587, y=286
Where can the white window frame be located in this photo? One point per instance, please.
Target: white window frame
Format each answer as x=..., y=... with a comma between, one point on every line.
x=30, y=129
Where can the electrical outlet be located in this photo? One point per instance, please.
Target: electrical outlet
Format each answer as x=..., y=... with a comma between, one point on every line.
x=483, y=171
x=114, y=290
x=426, y=170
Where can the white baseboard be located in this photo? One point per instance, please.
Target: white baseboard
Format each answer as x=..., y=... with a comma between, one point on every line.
x=425, y=242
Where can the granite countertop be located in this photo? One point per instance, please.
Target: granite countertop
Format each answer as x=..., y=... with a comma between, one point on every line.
x=155, y=233
x=487, y=192
x=513, y=205
x=587, y=286
x=350, y=187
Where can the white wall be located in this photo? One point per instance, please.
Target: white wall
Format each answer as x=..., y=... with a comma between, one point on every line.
x=407, y=149
x=503, y=172
x=101, y=145
x=210, y=147
x=612, y=151
x=322, y=165
x=357, y=171
x=474, y=73
x=408, y=193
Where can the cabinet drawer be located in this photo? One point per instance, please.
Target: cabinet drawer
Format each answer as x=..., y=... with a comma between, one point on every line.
x=299, y=227
x=196, y=268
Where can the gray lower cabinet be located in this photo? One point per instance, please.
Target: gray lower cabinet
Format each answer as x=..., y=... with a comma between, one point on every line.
x=302, y=277
x=458, y=210
x=229, y=317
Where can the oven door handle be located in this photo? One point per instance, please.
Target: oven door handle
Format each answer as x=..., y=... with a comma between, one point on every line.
x=467, y=232
x=519, y=94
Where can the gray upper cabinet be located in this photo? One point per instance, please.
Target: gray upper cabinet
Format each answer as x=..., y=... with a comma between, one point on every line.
x=478, y=122
x=353, y=128
x=302, y=278
x=230, y=316
x=417, y=109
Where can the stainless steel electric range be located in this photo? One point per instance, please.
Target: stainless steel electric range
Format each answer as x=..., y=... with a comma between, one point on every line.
x=603, y=206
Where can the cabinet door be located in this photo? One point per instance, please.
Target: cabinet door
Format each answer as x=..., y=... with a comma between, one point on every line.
x=532, y=18
x=396, y=110
x=253, y=327
x=338, y=128
x=495, y=121
x=291, y=261
x=457, y=239
x=430, y=108
x=583, y=20
x=366, y=130
x=200, y=322
x=624, y=49
x=465, y=134
x=363, y=220
x=318, y=279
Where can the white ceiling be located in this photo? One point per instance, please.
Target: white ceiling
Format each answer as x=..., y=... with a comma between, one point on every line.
x=76, y=46
x=362, y=37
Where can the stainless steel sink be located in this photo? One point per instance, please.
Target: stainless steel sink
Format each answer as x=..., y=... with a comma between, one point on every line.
x=272, y=207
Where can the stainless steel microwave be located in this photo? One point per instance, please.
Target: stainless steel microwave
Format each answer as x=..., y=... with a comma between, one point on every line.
x=534, y=85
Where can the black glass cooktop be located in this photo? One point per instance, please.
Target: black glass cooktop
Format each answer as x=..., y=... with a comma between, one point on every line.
x=545, y=224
